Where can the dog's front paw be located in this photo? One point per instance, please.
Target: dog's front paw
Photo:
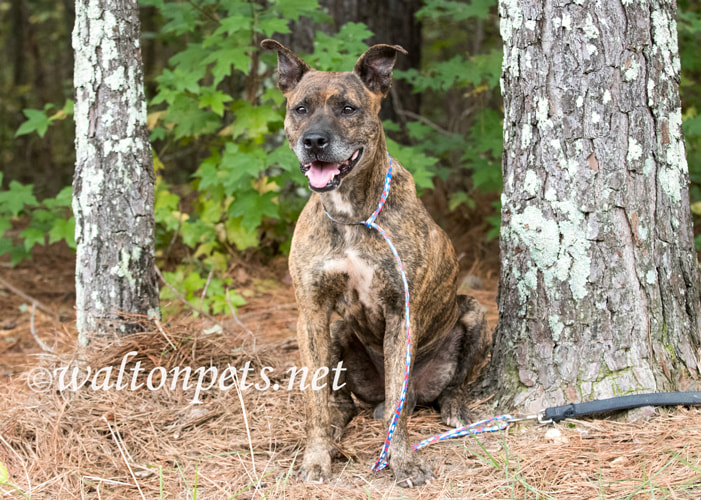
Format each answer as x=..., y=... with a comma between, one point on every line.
x=316, y=466
x=411, y=471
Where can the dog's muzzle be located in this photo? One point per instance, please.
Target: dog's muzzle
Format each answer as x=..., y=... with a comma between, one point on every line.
x=326, y=175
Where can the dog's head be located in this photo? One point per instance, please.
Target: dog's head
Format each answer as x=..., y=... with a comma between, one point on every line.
x=332, y=121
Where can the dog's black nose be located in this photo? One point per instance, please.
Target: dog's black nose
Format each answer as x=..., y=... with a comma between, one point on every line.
x=315, y=141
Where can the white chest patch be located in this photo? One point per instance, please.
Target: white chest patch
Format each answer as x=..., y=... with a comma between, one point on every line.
x=360, y=274
x=338, y=204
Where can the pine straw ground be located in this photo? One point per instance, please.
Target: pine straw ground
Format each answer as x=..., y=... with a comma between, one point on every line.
x=112, y=444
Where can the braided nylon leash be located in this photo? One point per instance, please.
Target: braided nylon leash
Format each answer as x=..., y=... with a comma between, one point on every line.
x=503, y=421
x=476, y=428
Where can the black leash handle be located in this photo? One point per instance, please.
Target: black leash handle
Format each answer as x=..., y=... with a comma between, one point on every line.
x=573, y=410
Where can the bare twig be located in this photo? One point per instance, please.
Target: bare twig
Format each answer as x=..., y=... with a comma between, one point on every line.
x=397, y=107
x=206, y=286
x=238, y=321
x=212, y=16
x=248, y=430
x=41, y=343
x=124, y=456
x=428, y=122
x=160, y=328
x=28, y=298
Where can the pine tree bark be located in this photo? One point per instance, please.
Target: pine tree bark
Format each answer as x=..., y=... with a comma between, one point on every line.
x=113, y=187
x=599, y=288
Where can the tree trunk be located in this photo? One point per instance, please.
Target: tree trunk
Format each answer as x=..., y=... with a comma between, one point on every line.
x=599, y=290
x=114, y=179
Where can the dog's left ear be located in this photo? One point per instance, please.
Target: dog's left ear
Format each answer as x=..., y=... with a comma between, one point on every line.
x=375, y=67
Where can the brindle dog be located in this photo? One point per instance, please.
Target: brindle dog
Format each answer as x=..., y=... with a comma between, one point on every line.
x=347, y=285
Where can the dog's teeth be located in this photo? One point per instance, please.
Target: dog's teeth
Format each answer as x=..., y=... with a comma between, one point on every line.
x=355, y=155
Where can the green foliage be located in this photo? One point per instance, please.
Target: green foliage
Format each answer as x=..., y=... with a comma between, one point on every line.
x=38, y=120
x=457, y=11
x=216, y=104
x=339, y=52
x=208, y=294
x=217, y=94
x=689, y=24
x=50, y=218
x=461, y=128
x=245, y=192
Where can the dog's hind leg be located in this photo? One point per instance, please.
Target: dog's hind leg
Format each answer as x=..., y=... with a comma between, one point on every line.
x=475, y=346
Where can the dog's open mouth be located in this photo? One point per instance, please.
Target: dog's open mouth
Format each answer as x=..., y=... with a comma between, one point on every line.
x=325, y=176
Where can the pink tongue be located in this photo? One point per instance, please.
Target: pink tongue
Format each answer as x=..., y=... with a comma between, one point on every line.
x=320, y=173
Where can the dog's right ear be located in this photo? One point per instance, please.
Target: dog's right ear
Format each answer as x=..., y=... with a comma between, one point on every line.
x=290, y=67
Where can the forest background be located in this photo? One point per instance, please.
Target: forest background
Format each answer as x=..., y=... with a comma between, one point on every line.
x=227, y=183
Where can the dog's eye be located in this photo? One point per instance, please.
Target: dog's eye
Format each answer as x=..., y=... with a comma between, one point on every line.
x=301, y=110
x=348, y=110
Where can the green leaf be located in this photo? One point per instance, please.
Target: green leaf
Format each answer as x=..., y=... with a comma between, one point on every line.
x=253, y=121
x=340, y=51
x=190, y=62
x=182, y=17
x=284, y=158
x=456, y=199
x=273, y=94
x=37, y=121
x=292, y=9
x=233, y=24
x=236, y=170
x=63, y=229
x=270, y=26
x=178, y=80
x=416, y=162
x=224, y=58
x=16, y=198
x=495, y=222
x=166, y=209
x=5, y=224
x=239, y=235
x=32, y=237
x=197, y=232
x=253, y=206
x=189, y=119
x=193, y=283
x=214, y=99
x=692, y=127
x=64, y=198
x=17, y=253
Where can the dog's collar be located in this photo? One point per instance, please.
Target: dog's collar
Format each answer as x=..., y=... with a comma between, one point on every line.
x=370, y=221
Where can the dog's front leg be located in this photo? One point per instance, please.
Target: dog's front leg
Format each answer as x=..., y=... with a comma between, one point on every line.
x=409, y=470
x=314, y=344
